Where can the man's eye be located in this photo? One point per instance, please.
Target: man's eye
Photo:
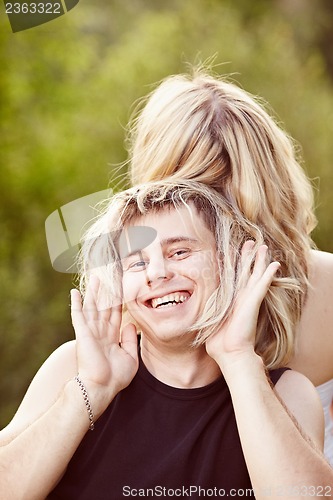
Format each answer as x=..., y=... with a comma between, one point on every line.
x=181, y=253
x=138, y=265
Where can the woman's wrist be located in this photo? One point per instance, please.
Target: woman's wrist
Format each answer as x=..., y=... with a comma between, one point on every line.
x=91, y=399
x=86, y=402
x=237, y=365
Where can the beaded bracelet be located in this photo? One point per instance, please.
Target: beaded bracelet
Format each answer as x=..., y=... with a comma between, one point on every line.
x=87, y=402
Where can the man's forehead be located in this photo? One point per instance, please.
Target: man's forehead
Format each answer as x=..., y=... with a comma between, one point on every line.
x=180, y=214
x=141, y=231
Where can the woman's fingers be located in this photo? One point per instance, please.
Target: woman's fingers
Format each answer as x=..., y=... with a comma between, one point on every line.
x=90, y=299
x=97, y=304
x=246, y=252
x=129, y=340
x=87, y=318
x=115, y=317
x=262, y=271
x=245, y=262
x=76, y=302
x=263, y=283
x=270, y=272
x=78, y=318
x=260, y=264
x=259, y=280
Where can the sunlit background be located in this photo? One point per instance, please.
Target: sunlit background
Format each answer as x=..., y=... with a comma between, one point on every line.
x=67, y=91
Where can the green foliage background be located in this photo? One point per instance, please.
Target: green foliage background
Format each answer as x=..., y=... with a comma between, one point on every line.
x=67, y=89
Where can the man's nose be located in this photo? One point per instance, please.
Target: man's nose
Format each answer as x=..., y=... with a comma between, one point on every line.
x=157, y=270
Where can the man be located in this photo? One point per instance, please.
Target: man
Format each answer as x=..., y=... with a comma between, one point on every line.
x=191, y=411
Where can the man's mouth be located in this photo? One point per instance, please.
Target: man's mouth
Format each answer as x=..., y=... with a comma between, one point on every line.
x=170, y=300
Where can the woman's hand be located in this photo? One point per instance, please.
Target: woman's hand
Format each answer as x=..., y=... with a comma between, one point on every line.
x=107, y=361
x=236, y=337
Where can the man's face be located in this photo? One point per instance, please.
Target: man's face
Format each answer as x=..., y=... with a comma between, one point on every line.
x=167, y=284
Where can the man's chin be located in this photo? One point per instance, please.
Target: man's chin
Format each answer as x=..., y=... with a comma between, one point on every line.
x=173, y=336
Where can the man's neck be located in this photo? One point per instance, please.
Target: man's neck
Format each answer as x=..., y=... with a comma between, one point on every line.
x=185, y=368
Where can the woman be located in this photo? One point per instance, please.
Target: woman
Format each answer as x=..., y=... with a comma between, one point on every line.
x=212, y=131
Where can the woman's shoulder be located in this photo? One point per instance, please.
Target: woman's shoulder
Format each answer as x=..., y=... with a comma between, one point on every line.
x=321, y=262
x=320, y=277
x=320, y=291
x=314, y=336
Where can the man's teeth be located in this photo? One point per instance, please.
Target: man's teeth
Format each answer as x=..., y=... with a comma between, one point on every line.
x=169, y=300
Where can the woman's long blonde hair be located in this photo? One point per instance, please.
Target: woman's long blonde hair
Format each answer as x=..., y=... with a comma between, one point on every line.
x=208, y=129
x=100, y=256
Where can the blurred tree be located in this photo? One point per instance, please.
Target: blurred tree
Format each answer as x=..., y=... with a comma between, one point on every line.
x=325, y=33
x=67, y=90
x=312, y=22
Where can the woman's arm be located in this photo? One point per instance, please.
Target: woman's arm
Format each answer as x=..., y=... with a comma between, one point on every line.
x=278, y=453
x=37, y=445
x=314, y=352
x=32, y=462
x=281, y=436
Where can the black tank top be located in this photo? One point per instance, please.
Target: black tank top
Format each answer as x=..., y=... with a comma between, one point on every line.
x=158, y=441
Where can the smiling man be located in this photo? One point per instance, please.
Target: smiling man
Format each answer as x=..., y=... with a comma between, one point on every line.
x=188, y=399
x=167, y=284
